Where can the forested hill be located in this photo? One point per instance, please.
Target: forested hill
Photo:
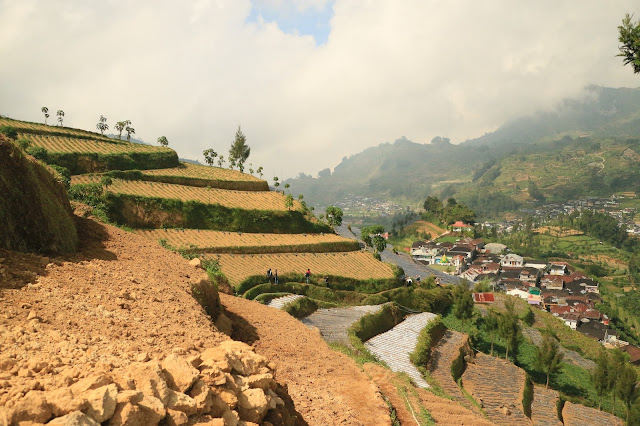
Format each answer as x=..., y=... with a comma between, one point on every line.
x=492, y=173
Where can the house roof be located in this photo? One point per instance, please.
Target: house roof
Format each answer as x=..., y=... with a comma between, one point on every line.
x=483, y=298
x=460, y=224
x=634, y=353
x=595, y=330
x=418, y=244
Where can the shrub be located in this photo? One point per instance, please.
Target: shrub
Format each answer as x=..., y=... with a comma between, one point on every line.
x=527, y=396
x=39, y=153
x=9, y=132
x=375, y=299
x=301, y=308
x=429, y=337
x=64, y=175
x=376, y=323
x=24, y=143
x=377, y=256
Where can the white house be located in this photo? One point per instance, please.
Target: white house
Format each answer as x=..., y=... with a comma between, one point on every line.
x=512, y=260
x=519, y=293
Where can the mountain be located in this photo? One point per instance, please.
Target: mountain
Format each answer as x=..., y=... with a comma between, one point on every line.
x=487, y=172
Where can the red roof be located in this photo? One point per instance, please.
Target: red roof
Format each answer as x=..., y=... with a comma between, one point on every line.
x=556, y=309
x=483, y=298
x=461, y=224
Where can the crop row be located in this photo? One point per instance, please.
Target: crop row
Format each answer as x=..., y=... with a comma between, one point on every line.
x=55, y=143
x=249, y=200
x=241, y=242
x=357, y=265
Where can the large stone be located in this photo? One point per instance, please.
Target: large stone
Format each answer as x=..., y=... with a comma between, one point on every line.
x=262, y=381
x=179, y=373
x=34, y=407
x=76, y=418
x=231, y=418
x=215, y=358
x=152, y=408
x=102, y=402
x=252, y=405
x=176, y=418
x=181, y=402
x=196, y=262
x=203, y=396
x=62, y=402
x=128, y=414
x=91, y=382
x=149, y=379
x=132, y=396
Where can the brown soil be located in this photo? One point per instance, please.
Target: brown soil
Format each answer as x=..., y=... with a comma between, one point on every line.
x=442, y=410
x=124, y=298
x=326, y=386
x=424, y=226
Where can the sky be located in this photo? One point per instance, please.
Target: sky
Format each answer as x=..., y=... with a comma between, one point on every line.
x=308, y=81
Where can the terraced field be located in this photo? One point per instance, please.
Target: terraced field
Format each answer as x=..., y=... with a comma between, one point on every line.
x=249, y=200
x=544, y=409
x=358, y=265
x=206, y=241
x=578, y=415
x=68, y=144
x=205, y=172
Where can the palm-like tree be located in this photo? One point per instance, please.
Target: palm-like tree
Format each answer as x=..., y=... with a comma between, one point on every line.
x=220, y=161
x=130, y=131
x=102, y=124
x=60, y=115
x=120, y=126
x=45, y=111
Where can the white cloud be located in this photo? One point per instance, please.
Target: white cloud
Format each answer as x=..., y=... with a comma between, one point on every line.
x=194, y=71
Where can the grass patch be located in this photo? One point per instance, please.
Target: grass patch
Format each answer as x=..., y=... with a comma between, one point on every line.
x=300, y=308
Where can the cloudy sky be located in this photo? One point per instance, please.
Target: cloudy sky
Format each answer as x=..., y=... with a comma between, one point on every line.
x=309, y=81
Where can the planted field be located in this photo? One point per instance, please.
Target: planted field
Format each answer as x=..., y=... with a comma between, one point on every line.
x=358, y=265
x=556, y=231
x=38, y=128
x=196, y=171
x=70, y=144
x=208, y=241
x=247, y=200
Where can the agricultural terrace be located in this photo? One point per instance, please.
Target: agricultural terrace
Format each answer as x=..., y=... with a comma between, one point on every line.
x=70, y=144
x=360, y=265
x=247, y=200
x=556, y=231
x=207, y=241
x=38, y=128
x=197, y=171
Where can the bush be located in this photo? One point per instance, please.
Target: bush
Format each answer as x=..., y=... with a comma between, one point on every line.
x=436, y=300
x=377, y=256
x=429, y=337
x=371, y=325
x=64, y=175
x=527, y=396
x=336, y=283
x=39, y=153
x=301, y=308
x=375, y=299
x=9, y=132
x=24, y=143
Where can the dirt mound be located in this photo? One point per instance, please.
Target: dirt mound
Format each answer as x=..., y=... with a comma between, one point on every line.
x=326, y=386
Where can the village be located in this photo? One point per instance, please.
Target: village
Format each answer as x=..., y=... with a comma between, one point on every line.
x=552, y=286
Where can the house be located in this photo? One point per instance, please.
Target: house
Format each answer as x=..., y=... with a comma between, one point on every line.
x=512, y=259
x=589, y=285
x=460, y=226
x=538, y=264
x=425, y=254
x=519, y=293
x=535, y=296
x=571, y=319
x=552, y=282
x=598, y=331
x=529, y=275
x=634, y=354
x=559, y=268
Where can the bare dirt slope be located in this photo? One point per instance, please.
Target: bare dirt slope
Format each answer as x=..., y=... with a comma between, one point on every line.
x=123, y=298
x=326, y=386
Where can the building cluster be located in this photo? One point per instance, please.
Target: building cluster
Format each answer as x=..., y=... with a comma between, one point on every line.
x=357, y=204
x=552, y=286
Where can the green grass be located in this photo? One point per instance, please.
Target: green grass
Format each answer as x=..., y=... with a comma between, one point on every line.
x=448, y=239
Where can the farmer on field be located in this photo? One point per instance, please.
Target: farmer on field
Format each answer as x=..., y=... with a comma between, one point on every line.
x=307, y=275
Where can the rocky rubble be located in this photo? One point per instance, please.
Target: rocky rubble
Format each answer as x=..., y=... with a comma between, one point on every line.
x=228, y=384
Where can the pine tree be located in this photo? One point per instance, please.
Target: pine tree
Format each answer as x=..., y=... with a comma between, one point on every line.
x=548, y=357
x=239, y=151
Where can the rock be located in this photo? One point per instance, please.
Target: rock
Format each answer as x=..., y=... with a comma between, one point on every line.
x=33, y=316
x=62, y=402
x=229, y=398
x=231, y=418
x=34, y=407
x=224, y=324
x=252, y=405
x=149, y=378
x=76, y=418
x=262, y=381
x=89, y=383
x=179, y=373
x=152, y=408
x=203, y=396
x=468, y=359
x=176, y=418
x=102, y=402
x=196, y=262
x=181, y=402
x=505, y=411
x=7, y=364
x=129, y=415
x=132, y=396
x=143, y=357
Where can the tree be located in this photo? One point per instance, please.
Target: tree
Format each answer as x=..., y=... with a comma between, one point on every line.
x=630, y=39
x=548, y=356
x=462, y=302
x=239, y=151
x=288, y=201
x=600, y=376
x=300, y=197
x=432, y=204
x=333, y=215
x=616, y=363
x=45, y=111
x=509, y=327
x=491, y=322
x=60, y=115
x=286, y=186
x=120, y=126
x=130, y=131
x=220, y=161
x=324, y=173
x=163, y=141
x=259, y=171
x=102, y=124
x=210, y=156
x=626, y=387
x=275, y=182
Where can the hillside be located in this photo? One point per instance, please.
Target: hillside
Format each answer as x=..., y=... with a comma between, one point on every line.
x=491, y=173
